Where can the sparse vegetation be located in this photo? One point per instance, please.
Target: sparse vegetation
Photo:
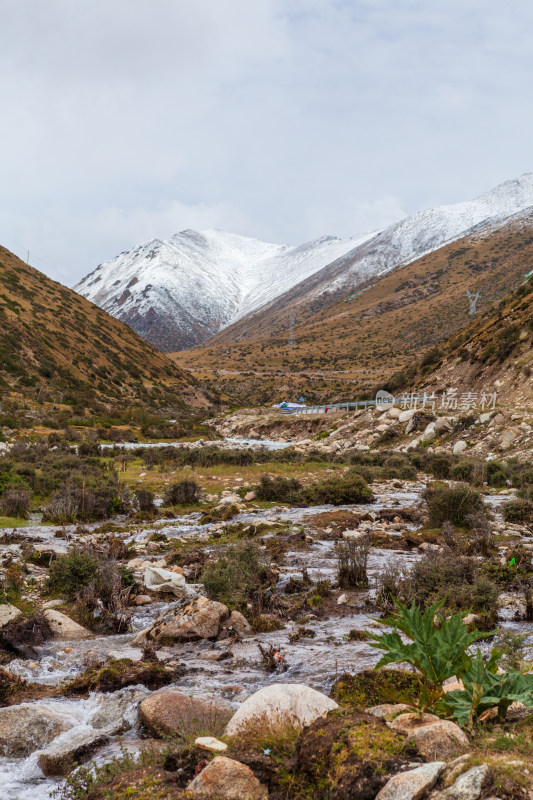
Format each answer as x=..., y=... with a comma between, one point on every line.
x=182, y=493
x=452, y=503
x=238, y=576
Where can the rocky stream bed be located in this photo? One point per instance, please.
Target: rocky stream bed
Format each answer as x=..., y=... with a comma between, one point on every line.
x=229, y=671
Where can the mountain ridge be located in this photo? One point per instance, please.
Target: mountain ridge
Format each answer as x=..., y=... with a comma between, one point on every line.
x=180, y=292
x=54, y=343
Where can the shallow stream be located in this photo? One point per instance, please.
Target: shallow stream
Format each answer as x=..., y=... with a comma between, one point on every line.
x=313, y=661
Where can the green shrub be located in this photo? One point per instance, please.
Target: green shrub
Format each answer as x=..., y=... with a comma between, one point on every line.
x=279, y=489
x=484, y=689
x=455, y=581
x=352, y=559
x=452, y=503
x=70, y=572
x=496, y=474
x=237, y=577
x=463, y=471
x=145, y=500
x=440, y=466
x=518, y=510
x=185, y=492
x=345, y=489
x=506, y=341
x=397, y=466
x=438, y=653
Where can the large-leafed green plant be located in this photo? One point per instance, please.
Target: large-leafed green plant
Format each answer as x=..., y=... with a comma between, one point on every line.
x=438, y=651
x=484, y=690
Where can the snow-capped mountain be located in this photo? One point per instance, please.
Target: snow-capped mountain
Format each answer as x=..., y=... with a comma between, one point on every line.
x=179, y=292
x=428, y=230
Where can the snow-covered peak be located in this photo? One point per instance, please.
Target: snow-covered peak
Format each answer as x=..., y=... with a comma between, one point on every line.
x=428, y=230
x=179, y=291
x=200, y=282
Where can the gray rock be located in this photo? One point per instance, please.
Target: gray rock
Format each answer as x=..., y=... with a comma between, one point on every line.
x=63, y=627
x=290, y=703
x=118, y=712
x=467, y=786
x=26, y=728
x=8, y=613
x=413, y=784
x=71, y=748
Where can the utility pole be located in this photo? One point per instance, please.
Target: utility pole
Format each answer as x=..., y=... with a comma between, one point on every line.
x=291, y=329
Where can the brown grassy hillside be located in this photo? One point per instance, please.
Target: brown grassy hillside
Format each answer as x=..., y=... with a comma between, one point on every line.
x=56, y=346
x=493, y=354
x=343, y=350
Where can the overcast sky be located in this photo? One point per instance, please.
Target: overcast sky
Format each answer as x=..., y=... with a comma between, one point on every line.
x=123, y=120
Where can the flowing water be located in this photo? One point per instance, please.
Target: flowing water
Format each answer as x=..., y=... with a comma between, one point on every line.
x=267, y=444
x=313, y=661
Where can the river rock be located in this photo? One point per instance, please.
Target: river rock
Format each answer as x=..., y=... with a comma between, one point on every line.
x=63, y=627
x=413, y=784
x=118, y=712
x=199, y=619
x=227, y=779
x=433, y=736
x=142, y=600
x=467, y=786
x=238, y=623
x=8, y=613
x=26, y=728
x=166, y=713
x=291, y=703
x=54, y=603
x=210, y=744
x=230, y=500
x=157, y=579
x=71, y=748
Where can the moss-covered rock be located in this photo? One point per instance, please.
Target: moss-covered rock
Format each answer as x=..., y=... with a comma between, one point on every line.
x=351, y=754
x=374, y=687
x=118, y=673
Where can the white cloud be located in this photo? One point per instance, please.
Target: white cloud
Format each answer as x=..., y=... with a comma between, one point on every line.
x=282, y=119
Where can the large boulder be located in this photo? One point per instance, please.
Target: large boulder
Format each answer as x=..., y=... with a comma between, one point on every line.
x=413, y=784
x=199, y=619
x=227, y=779
x=26, y=728
x=434, y=737
x=71, y=748
x=166, y=713
x=281, y=703
x=63, y=627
